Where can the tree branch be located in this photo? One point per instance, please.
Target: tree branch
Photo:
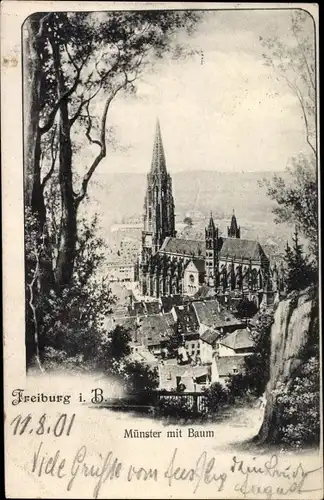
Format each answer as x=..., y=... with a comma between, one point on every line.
x=76, y=115
x=303, y=56
x=101, y=143
x=89, y=127
x=306, y=123
x=53, y=156
x=103, y=78
x=297, y=92
x=84, y=102
x=41, y=24
x=56, y=106
x=76, y=67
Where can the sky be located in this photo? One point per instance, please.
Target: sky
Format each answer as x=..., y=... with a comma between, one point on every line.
x=224, y=111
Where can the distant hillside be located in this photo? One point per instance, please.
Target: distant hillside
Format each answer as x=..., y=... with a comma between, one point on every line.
x=120, y=197
x=219, y=192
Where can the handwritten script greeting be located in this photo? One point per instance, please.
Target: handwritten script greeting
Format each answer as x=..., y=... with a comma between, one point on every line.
x=278, y=480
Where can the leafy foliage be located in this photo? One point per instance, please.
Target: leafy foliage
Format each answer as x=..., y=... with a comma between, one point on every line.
x=300, y=273
x=294, y=63
x=188, y=221
x=246, y=308
x=299, y=406
x=297, y=201
x=112, y=349
x=215, y=396
x=258, y=364
x=139, y=378
x=239, y=385
x=74, y=321
x=91, y=57
x=173, y=406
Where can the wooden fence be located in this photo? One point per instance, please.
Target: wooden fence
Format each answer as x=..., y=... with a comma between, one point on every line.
x=195, y=400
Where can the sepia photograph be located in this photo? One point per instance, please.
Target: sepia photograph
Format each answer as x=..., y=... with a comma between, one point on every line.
x=170, y=180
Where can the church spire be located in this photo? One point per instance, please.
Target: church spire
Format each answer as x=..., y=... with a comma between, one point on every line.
x=211, y=224
x=234, y=231
x=158, y=157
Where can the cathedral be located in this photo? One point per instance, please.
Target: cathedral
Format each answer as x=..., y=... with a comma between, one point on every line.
x=170, y=265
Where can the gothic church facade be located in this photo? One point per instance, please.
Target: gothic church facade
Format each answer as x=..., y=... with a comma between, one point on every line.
x=170, y=265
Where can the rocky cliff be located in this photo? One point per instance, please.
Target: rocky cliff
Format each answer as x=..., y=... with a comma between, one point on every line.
x=290, y=334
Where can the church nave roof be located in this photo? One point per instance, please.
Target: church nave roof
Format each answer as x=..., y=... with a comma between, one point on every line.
x=241, y=249
x=180, y=246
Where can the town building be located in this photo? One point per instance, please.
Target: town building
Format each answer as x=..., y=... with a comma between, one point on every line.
x=187, y=378
x=213, y=344
x=222, y=368
x=121, y=271
x=187, y=327
x=211, y=315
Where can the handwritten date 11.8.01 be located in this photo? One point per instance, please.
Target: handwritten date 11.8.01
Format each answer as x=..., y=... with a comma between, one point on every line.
x=43, y=425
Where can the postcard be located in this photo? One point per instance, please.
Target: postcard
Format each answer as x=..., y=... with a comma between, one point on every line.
x=160, y=214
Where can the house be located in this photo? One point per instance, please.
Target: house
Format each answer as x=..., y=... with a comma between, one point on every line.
x=190, y=378
x=208, y=343
x=137, y=308
x=150, y=332
x=211, y=315
x=153, y=307
x=121, y=271
x=239, y=343
x=144, y=308
x=169, y=301
x=188, y=328
x=223, y=367
x=143, y=355
x=196, y=378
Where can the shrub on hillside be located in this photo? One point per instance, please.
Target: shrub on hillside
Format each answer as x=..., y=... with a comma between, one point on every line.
x=239, y=385
x=176, y=407
x=246, y=308
x=257, y=366
x=299, y=407
x=215, y=396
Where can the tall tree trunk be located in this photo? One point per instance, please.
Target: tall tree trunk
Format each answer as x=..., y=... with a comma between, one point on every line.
x=68, y=224
x=33, y=48
x=33, y=193
x=32, y=84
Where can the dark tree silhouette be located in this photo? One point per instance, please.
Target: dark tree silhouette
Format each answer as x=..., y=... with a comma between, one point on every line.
x=246, y=308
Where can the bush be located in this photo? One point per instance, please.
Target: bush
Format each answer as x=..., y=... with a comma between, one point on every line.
x=257, y=366
x=299, y=407
x=138, y=377
x=71, y=321
x=215, y=397
x=238, y=385
x=177, y=407
x=246, y=308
